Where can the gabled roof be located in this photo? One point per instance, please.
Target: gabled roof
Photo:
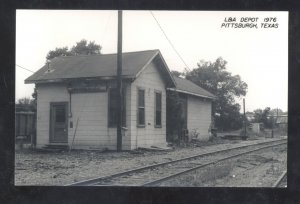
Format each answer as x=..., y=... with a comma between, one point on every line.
x=188, y=87
x=102, y=66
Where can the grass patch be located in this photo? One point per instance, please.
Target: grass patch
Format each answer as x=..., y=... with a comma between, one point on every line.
x=202, y=176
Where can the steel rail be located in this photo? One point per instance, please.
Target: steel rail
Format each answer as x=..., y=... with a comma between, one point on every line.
x=280, y=178
x=204, y=165
x=96, y=180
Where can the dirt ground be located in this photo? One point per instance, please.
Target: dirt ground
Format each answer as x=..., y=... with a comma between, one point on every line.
x=62, y=168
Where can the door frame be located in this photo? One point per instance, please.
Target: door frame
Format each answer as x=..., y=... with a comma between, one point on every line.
x=51, y=134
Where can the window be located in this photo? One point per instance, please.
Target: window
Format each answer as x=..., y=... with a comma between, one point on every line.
x=141, y=108
x=113, y=108
x=157, y=114
x=60, y=114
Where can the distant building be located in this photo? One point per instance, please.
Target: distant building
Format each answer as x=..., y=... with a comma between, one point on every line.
x=282, y=121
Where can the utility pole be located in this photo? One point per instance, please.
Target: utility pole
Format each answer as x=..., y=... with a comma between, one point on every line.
x=245, y=123
x=119, y=83
x=274, y=122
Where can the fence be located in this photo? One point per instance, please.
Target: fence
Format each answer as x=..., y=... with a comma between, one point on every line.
x=25, y=126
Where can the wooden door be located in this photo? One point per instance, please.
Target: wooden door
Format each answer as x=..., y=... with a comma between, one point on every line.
x=59, y=122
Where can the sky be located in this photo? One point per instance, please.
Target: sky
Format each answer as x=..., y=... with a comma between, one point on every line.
x=258, y=55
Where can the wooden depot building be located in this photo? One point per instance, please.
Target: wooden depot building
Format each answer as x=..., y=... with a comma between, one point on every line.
x=76, y=101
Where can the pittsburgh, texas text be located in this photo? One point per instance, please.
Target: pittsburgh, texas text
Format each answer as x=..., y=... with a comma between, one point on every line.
x=250, y=22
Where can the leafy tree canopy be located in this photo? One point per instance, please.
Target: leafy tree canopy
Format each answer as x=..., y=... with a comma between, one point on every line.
x=58, y=52
x=260, y=115
x=214, y=77
x=24, y=101
x=81, y=48
x=176, y=73
x=25, y=104
x=275, y=111
x=266, y=116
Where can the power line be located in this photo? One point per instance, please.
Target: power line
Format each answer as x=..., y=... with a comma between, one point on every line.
x=170, y=41
x=24, y=68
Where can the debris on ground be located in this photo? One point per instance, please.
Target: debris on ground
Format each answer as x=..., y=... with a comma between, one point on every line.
x=34, y=167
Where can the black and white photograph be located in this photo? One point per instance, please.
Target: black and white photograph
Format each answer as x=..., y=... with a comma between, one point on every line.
x=151, y=98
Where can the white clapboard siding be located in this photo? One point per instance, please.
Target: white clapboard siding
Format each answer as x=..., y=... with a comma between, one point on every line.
x=198, y=116
x=92, y=130
x=47, y=93
x=91, y=119
x=92, y=111
x=147, y=136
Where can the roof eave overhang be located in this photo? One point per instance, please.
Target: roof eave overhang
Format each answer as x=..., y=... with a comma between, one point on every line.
x=190, y=93
x=70, y=79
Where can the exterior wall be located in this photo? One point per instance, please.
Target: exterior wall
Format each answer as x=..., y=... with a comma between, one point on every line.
x=91, y=109
x=198, y=117
x=147, y=136
x=256, y=127
x=47, y=93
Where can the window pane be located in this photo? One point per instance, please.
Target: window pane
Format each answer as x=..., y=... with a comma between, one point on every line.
x=158, y=109
x=141, y=116
x=60, y=114
x=158, y=118
x=141, y=98
x=141, y=107
x=158, y=101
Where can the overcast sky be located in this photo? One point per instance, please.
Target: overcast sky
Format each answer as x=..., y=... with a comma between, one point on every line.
x=258, y=55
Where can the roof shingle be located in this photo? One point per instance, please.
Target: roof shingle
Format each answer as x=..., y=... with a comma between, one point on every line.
x=104, y=65
x=189, y=87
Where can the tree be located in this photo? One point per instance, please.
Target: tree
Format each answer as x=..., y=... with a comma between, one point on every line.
x=176, y=73
x=25, y=104
x=275, y=111
x=58, y=52
x=260, y=115
x=213, y=77
x=266, y=116
x=34, y=96
x=81, y=48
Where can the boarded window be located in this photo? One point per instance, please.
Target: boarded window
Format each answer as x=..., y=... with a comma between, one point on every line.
x=113, y=108
x=141, y=107
x=158, y=109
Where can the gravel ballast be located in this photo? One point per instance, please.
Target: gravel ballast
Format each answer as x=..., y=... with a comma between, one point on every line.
x=62, y=168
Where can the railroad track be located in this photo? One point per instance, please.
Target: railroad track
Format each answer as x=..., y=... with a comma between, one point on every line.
x=281, y=182
x=152, y=175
